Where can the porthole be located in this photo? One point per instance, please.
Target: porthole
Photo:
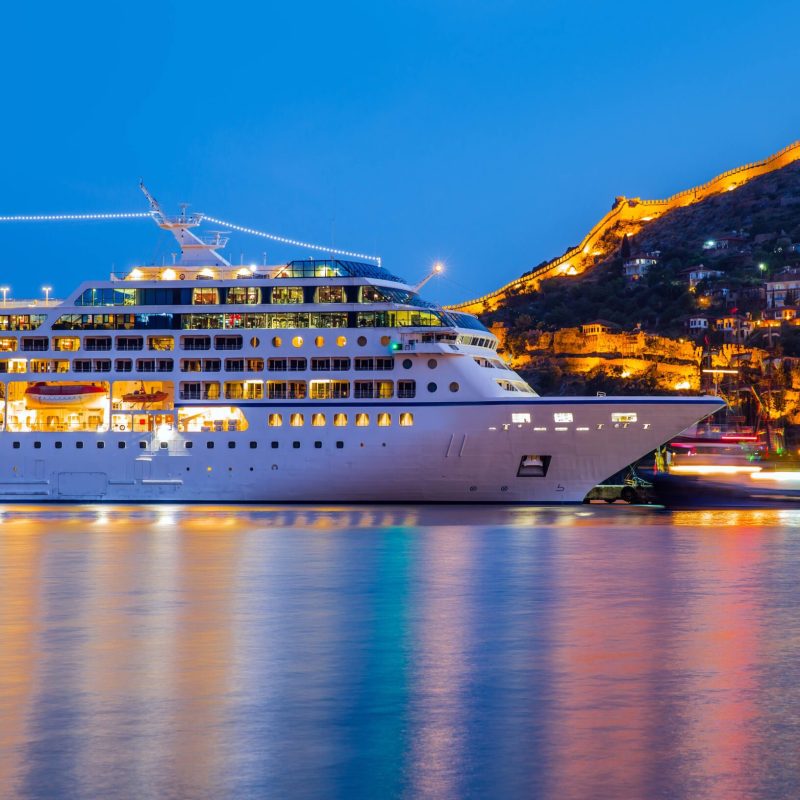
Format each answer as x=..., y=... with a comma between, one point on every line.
x=15, y=445
x=143, y=445
x=79, y=445
x=254, y=342
x=320, y=341
x=59, y=445
x=339, y=445
x=297, y=341
x=362, y=341
x=432, y=363
x=253, y=446
x=231, y=445
x=341, y=341
x=385, y=340
x=318, y=445
x=188, y=445
x=210, y=445
x=454, y=387
x=38, y=445
x=274, y=446
x=432, y=387
x=164, y=445
x=120, y=445
x=276, y=341
x=296, y=445
x=407, y=363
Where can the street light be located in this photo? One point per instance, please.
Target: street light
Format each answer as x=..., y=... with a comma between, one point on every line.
x=47, y=290
x=5, y=290
x=762, y=266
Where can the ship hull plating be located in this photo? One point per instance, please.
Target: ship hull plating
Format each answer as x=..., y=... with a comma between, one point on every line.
x=461, y=452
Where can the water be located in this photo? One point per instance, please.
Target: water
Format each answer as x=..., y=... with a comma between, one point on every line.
x=596, y=652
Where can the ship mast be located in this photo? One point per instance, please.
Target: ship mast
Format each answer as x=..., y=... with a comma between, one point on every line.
x=195, y=251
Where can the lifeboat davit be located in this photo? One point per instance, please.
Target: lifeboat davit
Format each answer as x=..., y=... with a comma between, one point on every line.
x=143, y=397
x=61, y=394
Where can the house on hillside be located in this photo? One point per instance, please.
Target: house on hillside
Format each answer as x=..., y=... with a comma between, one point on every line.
x=734, y=327
x=701, y=273
x=599, y=327
x=698, y=324
x=734, y=243
x=637, y=267
x=783, y=289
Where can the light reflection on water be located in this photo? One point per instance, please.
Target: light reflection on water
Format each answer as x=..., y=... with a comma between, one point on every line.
x=186, y=652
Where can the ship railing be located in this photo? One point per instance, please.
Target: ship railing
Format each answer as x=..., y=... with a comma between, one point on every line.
x=39, y=302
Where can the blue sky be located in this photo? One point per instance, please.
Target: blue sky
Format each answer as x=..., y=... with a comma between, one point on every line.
x=487, y=134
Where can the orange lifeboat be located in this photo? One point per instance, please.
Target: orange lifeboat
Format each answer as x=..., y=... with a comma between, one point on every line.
x=61, y=394
x=142, y=397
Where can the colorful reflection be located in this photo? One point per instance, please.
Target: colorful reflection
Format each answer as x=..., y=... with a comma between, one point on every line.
x=219, y=651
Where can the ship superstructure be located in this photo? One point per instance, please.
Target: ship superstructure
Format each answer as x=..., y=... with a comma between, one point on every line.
x=315, y=380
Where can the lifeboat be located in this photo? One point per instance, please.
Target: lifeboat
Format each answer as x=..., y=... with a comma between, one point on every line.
x=60, y=394
x=142, y=397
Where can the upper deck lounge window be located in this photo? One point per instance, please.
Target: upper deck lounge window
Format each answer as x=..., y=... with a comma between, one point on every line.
x=370, y=294
x=9, y=345
x=243, y=295
x=330, y=294
x=160, y=343
x=205, y=296
x=287, y=294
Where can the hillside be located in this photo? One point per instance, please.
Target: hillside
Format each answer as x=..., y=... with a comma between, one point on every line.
x=631, y=216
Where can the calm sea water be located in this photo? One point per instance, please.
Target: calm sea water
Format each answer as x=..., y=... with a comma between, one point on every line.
x=228, y=652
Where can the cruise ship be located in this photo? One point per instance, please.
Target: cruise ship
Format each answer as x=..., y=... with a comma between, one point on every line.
x=318, y=380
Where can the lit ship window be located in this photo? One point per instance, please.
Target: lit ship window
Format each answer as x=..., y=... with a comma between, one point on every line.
x=297, y=420
x=519, y=418
x=362, y=420
x=627, y=416
x=318, y=420
x=406, y=419
x=562, y=416
x=275, y=420
x=287, y=294
x=340, y=420
x=384, y=419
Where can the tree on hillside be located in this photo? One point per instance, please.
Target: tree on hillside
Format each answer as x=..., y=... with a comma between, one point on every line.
x=625, y=249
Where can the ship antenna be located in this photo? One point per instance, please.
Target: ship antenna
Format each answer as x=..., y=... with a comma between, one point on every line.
x=155, y=208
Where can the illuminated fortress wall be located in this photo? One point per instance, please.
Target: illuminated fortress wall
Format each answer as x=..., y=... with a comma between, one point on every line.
x=628, y=215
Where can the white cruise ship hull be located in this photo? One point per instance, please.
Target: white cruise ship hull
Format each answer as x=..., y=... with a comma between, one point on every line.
x=456, y=453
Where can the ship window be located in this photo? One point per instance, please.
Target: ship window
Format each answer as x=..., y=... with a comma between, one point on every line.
x=330, y=294
x=160, y=343
x=319, y=341
x=195, y=343
x=362, y=341
x=520, y=418
x=37, y=445
x=406, y=363
x=244, y=295
x=454, y=387
x=318, y=420
x=432, y=362
x=101, y=445
x=406, y=419
x=297, y=365
x=340, y=364
x=9, y=345
x=274, y=445
x=275, y=420
x=362, y=420
x=339, y=445
x=234, y=364
x=142, y=445
x=297, y=341
x=370, y=294
x=121, y=445
x=320, y=364
x=432, y=387
x=40, y=343
x=406, y=389
x=296, y=420
x=340, y=420
x=130, y=343
x=253, y=445
x=562, y=416
x=327, y=390
x=287, y=294
x=146, y=365
x=341, y=341
x=188, y=445
x=227, y=342
x=79, y=445
x=191, y=365
x=533, y=466
x=296, y=445
x=276, y=341
x=210, y=445
x=363, y=389
x=164, y=365
x=59, y=445
x=61, y=343
x=254, y=365
x=15, y=445
x=231, y=445
x=277, y=365
x=164, y=445
x=205, y=297
x=386, y=341
x=384, y=419
x=624, y=417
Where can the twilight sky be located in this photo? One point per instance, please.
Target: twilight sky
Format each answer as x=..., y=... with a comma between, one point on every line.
x=487, y=133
